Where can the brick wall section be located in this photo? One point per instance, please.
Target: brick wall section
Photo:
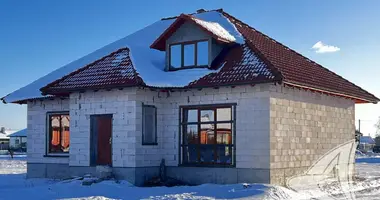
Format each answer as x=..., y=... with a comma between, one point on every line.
x=252, y=115
x=122, y=105
x=303, y=127
x=36, y=144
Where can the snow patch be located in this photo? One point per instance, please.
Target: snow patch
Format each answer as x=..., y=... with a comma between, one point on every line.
x=14, y=185
x=217, y=29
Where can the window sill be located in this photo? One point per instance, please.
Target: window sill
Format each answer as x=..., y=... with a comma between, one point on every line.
x=173, y=69
x=149, y=144
x=57, y=155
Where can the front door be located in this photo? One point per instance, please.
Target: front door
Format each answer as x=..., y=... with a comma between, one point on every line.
x=101, y=140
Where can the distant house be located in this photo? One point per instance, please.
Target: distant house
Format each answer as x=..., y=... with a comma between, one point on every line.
x=4, y=138
x=4, y=141
x=217, y=99
x=366, y=143
x=17, y=140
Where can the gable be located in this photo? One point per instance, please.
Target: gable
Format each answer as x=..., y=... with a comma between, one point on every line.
x=187, y=32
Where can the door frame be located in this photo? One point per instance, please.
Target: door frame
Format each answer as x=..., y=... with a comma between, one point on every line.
x=92, y=144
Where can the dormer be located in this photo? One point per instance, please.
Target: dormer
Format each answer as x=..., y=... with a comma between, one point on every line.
x=190, y=42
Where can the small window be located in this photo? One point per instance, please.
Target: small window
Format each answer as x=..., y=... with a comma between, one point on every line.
x=149, y=135
x=17, y=141
x=58, y=137
x=189, y=55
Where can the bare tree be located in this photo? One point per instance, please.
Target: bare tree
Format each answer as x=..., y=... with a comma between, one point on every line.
x=377, y=126
x=377, y=137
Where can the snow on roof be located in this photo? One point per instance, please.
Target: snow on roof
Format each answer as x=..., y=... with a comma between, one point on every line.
x=149, y=63
x=21, y=133
x=367, y=140
x=3, y=136
x=215, y=28
x=152, y=70
x=6, y=134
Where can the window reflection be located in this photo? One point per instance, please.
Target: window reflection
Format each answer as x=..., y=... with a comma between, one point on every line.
x=191, y=134
x=207, y=115
x=59, y=133
x=224, y=133
x=202, y=53
x=175, y=56
x=223, y=114
x=189, y=55
x=190, y=154
x=224, y=154
x=207, y=134
x=209, y=139
x=191, y=116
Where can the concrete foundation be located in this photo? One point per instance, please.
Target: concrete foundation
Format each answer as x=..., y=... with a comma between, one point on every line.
x=201, y=175
x=138, y=175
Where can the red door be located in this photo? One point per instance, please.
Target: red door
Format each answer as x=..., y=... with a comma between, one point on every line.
x=104, y=139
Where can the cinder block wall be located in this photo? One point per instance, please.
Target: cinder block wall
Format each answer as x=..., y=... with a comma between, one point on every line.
x=122, y=105
x=37, y=120
x=303, y=127
x=252, y=123
x=252, y=127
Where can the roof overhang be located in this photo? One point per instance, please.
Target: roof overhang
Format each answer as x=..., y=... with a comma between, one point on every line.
x=357, y=100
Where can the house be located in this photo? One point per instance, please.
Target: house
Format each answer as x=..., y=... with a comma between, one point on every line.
x=220, y=101
x=4, y=138
x=366, y=143
x=18, y=139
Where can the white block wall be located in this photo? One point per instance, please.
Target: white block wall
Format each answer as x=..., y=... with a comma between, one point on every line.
x=122, y=105
x=37, y=120
x=252, y=123
x=268, y=122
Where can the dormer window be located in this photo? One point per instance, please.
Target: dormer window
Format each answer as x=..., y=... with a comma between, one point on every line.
x=190, y=42
x=194, y=54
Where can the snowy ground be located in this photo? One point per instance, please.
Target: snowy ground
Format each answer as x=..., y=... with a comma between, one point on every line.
x=13, y=185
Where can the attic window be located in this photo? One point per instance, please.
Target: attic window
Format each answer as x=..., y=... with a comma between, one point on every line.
x=189, y=55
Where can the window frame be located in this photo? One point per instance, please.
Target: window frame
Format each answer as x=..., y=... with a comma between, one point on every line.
x=181, y=144
x=47, y=134
x=142, y=129
x=182, y=44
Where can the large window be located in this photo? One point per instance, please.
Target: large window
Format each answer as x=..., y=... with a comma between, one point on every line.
x=189, y=55
x=149, y=129
x=208, y=135
x=58, y=133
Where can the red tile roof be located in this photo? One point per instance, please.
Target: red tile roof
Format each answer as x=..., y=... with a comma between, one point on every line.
x=113, y=70
x=260, y=59
x=240, y=65
x=296, y=69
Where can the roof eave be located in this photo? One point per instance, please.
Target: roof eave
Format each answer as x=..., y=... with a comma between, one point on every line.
x=357, y=100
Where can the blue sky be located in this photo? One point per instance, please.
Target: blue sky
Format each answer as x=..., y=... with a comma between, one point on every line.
x=40, y=36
